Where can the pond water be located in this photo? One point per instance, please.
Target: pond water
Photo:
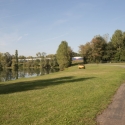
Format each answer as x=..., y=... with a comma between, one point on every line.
x=9, y=74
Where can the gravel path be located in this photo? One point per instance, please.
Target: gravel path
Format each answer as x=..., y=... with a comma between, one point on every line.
x=115, y=113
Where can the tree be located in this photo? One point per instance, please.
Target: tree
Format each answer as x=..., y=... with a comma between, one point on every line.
x=70, y=53
x=55, y=61
x=117, y=39
x=1, y=67
x=16, y=55
x=1, y=57
x=43, y=54
x=62, y=55
x=123, y=37
x=21, y=57
x=86, y=52
x=15, y=61
x=122, y=56
x=38, y=54
x=98, y=45
x=75, y=54
x=6, y=60
x=109, y=52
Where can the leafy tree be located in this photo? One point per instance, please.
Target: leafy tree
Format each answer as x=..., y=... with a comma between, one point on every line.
x=117, y=39
x=109, y=52
x=16, y=56
x=75, y=54
x=1, y=67
x=55, y=61
x=15, y=61
x=62, y=55
x=43, y=54
x=123, y=38
x=51, y=63
x=50, y=56
x=21, y=57
x=36, y=63
x=70, y=53
x=38, y=54
x=42, y=62
x=86, y=52
x=6, y=60
x=46, y=63
x=1, y=57
x=122, y=55
x=98, y=45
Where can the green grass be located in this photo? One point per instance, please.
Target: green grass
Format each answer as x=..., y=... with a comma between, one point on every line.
x=71, y=97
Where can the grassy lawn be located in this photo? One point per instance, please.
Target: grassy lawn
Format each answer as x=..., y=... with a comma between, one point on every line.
x=71, y=97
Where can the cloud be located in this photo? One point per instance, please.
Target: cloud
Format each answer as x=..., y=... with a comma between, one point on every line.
x=19, y=38
x=53, y=38
x=7, y=39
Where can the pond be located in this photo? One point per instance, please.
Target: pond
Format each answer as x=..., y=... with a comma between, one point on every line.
x=9, y=74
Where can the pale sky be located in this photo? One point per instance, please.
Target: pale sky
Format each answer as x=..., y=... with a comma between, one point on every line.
x=32, y=26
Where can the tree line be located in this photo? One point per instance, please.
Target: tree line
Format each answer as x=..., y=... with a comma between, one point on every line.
x=62, y=59
x=14, y=61
x=99, y=49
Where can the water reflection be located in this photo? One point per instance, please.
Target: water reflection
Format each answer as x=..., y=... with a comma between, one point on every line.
x=9, y=74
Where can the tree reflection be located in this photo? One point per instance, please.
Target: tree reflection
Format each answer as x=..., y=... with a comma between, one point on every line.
x=11, y=74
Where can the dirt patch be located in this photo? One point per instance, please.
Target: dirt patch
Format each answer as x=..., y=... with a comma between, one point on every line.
x=115, y=113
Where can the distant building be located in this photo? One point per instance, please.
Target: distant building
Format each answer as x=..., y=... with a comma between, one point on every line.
x=77, y=58
x=34, y=58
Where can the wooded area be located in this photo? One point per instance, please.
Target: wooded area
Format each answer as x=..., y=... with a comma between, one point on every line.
x=102, y=50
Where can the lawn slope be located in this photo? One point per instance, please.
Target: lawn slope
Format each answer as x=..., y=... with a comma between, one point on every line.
x=71, y=97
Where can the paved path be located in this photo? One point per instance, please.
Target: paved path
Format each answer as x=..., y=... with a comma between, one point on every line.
x=115, y=113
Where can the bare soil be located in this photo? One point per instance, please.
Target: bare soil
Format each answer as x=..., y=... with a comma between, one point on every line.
x=115, y=113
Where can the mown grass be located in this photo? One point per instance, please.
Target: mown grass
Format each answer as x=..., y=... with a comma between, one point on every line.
x=71, y=97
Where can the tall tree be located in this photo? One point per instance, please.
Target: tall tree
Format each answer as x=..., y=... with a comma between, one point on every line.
x=109, y=52
x=117, y=39
x=86, y=52
x=62, y=55
x=98, y=45
x=16, y=55
x=6, y=60
x=39, y=54
x=15, y=61
x=123, y=37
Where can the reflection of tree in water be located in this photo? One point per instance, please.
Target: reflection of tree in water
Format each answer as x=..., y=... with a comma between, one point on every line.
x=21, y=73
x=37, y=71
x=44, y=71
x=52, y=70
x=9, y=74
x=48, y=70
x=28, y=72
x=6, y=75
x=14, y=74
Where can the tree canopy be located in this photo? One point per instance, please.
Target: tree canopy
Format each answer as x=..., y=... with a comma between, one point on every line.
x=100, y=49
x=63, y=55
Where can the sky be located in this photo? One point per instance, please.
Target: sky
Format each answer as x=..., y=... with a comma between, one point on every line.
x=32, y=26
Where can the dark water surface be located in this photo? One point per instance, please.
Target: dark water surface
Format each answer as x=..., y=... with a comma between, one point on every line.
x=10, y=74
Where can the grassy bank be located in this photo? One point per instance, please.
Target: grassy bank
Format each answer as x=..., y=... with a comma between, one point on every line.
x=71, y=97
